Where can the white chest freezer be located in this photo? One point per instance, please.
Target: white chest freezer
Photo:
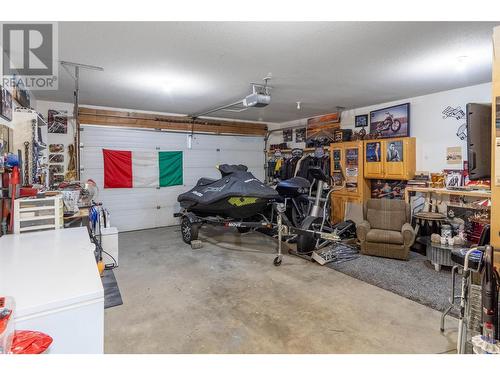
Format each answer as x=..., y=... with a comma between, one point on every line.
x=57, y=288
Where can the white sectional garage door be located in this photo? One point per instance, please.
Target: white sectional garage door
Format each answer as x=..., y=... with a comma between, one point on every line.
x=140, y=208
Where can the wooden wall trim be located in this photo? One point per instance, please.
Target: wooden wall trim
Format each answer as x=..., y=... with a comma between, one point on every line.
x=91, y=116
x=495, y=190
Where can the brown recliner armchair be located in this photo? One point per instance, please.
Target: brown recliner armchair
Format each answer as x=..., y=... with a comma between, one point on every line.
x=386, y=230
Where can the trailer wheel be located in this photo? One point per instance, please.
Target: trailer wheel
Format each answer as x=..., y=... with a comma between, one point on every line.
x=277, y=261
x=306, y=242
x=189, y=230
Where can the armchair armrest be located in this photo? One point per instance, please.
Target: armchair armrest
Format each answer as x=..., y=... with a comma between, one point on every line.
x=408, y=234
x=362, y=229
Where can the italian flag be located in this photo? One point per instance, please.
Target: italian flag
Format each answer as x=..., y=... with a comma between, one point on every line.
x=142, y=169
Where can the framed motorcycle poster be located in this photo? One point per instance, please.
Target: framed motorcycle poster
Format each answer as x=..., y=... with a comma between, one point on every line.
x=391, y=122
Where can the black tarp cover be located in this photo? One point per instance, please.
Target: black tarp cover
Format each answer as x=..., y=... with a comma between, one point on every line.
x=236, y=182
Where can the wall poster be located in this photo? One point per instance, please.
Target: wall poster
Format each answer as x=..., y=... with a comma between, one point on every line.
x=322, y=128
x=395, y=152
x=287, y=135
x=454, y=155
x=336, y=160
x=300, y=135
x=388, y=189
x=373, y=152
x=351, y=168
x=6, y=104
x=391, y=122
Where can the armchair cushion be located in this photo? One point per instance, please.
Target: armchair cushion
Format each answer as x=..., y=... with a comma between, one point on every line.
x=408, y=234
x=385, y=236
x=362, y=229
x=387, y=214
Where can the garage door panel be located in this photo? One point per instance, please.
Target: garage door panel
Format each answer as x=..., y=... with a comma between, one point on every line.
x=126, y=220
x=137, y=208
x=166, y=217
x=132, y=200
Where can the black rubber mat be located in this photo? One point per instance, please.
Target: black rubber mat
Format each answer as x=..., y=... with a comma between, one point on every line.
x=112, y=296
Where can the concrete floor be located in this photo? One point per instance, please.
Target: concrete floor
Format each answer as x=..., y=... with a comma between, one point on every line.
x=228, y=298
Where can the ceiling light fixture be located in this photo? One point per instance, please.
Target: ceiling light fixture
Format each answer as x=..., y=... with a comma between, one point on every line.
x=298, y=105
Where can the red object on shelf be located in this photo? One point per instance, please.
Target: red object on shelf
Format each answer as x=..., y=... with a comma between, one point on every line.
x=30, y=342
x=28, y=192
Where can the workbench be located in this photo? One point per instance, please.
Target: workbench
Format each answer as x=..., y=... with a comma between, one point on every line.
x=54, y=280
x=441, y=191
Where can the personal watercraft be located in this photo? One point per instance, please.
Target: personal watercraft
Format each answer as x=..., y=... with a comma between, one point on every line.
x=237, y=195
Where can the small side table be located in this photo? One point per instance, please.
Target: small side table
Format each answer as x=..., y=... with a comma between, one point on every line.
x=430, y=221
x=440, y=255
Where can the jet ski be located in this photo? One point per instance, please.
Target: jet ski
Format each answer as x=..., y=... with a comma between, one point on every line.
x=237, y=195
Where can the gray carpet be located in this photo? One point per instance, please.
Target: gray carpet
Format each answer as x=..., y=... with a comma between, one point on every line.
x=414, y=279
x=112, y=295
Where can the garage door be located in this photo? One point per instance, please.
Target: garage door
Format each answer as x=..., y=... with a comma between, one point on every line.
x=141, y=208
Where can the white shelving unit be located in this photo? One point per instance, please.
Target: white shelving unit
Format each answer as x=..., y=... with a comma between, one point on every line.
x=31, y=214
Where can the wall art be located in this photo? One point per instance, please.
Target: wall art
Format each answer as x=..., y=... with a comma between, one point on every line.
x=391, y=122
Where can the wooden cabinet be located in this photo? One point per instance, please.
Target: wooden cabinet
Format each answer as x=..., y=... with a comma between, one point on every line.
x=347, y=162
x=339, y=202
x=390, y=158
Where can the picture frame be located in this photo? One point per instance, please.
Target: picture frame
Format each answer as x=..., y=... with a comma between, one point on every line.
x=56, y=158
x=56, y=148
x=21, y=94
x=453, y=178
x=391, y=122
x=395, y=152
x=287, y=135
x=300, y=135
x=323, y=127
x=360, y=121
x=56, y=168
x=373, y=152
x=57, y=122
x=5, y=104
x=388, y=189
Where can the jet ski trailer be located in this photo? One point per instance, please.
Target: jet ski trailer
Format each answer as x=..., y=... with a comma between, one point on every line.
x=238, y=200
x=191, y=224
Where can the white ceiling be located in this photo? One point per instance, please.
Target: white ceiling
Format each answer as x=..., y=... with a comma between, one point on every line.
x=188, y=67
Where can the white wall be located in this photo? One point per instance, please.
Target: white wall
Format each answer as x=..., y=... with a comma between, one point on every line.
x=433, y=133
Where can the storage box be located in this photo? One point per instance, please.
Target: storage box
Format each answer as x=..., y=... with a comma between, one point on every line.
x=109, y=237
x=32, y=214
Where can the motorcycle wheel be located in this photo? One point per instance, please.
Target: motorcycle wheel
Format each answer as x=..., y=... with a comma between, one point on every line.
x=396, y=125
